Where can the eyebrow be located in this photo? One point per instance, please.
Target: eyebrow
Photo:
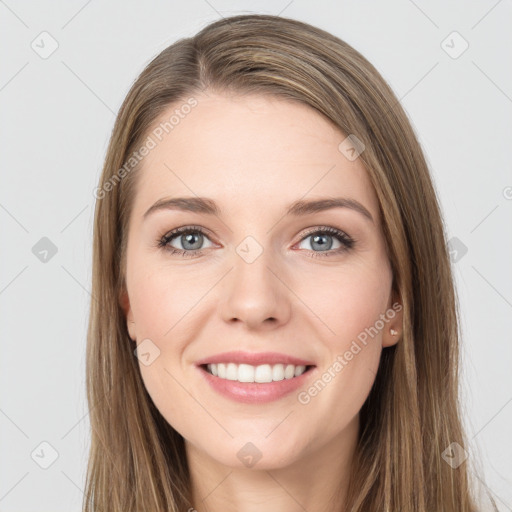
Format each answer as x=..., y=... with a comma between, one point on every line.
x=298, y=208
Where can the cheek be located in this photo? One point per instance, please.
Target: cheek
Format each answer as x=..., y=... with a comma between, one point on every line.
x=160, y=298
x=352, y=307
x=160, y=306
x=347, y=301
x=350, y=304
x=152, y=304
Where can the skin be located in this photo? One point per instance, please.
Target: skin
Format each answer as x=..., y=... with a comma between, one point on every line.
x=254, y=156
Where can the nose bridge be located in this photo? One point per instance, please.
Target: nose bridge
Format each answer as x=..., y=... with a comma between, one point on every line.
x=254, y=293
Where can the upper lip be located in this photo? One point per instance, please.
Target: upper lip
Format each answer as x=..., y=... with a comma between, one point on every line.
x=254, y=359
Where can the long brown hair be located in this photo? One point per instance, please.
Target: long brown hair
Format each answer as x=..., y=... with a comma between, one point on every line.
x=137, y=460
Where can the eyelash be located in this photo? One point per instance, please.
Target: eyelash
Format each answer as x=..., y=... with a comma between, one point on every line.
x=342, y=237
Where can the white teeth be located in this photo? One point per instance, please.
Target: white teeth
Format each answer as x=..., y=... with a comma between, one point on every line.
x=262, y=373
x=231, y=372
x=245, y=373
x=299, y=370
x=289, y=371
x=278, y=372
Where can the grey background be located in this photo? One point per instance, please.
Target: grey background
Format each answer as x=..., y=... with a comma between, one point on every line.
x=57, y=115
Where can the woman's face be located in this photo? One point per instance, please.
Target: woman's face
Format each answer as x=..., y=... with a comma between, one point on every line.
x=261, y=280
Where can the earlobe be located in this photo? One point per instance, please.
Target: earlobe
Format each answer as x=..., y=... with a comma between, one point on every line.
x=391, y=337
x=130, y=325
x=124, y=302
x=392, y=333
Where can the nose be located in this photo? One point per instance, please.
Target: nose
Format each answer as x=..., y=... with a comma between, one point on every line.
x=255, y=293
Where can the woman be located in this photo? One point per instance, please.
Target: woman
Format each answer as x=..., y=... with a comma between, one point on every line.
x=302, y=353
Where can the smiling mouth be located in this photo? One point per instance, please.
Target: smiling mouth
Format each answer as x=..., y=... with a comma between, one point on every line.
x=264, y=373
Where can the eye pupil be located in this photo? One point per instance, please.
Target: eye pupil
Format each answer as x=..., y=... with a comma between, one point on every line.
x=189, y=239
x=322, y=245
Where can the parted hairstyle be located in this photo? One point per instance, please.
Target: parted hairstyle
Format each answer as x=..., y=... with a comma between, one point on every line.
x=137, y=461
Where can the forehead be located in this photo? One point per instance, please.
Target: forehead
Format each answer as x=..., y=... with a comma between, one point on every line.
x=251, y=150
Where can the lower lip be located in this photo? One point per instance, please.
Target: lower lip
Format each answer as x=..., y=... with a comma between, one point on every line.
x=255, y=392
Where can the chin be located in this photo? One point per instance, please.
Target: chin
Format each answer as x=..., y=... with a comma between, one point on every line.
x=256, y=453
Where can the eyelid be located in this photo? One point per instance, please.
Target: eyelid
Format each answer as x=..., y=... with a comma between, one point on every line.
x=344, y=238
x=347, y=241
x=174, y=233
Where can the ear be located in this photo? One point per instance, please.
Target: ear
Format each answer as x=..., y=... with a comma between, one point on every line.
x=394, y=314
x=124, y=302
